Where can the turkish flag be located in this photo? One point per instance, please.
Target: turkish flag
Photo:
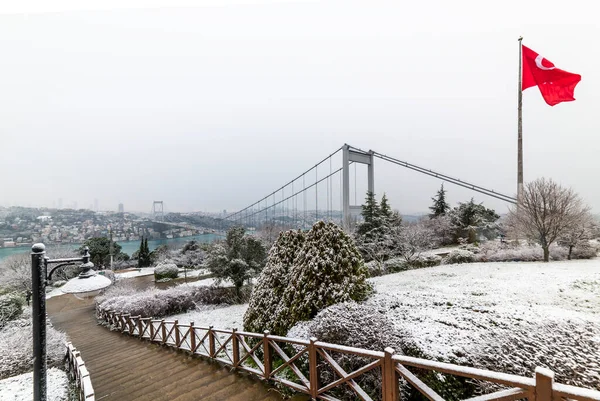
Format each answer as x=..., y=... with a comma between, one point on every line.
x=556, y=85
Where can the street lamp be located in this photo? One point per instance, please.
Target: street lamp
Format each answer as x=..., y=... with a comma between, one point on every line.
x=86, y=283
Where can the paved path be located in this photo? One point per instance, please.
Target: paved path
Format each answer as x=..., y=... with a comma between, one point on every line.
x=125, y=368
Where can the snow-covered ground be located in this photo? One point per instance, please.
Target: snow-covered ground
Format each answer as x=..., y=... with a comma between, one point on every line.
x=448, y=310
x=451, y=310
x=221, y=317
x=145, y=271
x=20, y=388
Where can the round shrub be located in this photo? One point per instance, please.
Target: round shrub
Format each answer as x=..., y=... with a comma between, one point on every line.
x=166, y=271
x=307, y=273
x=354, y=325
x=459, y=256
x=329, y=270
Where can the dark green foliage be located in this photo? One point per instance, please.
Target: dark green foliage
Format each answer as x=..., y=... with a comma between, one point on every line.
x=472, y=219
x=264, y=310
x=239, y=258
x=143, y=256
x=329, y=270
x=11, y=307
x=371, y=213
x=440, y=207
x=100, y=251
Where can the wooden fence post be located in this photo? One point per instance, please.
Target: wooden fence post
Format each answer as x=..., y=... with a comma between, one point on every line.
x=163, y=330
x=267, y=353
x=192, y=337
x=151, y=329
x=177, y=337
x=390, y=377
x=544, y=379
x=211, y=342
x=140, y=326
x=236, y=348
x=312, y=368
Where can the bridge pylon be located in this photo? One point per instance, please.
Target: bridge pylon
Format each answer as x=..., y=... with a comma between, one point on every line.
x=158, y=211
x=353, y=155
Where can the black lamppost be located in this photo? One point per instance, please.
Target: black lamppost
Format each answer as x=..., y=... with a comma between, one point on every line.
x=39, y=277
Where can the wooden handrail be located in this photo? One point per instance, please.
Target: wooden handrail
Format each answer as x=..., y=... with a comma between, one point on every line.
x=79, y=373
x=257, y=357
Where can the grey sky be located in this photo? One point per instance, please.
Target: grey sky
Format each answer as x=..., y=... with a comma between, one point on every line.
x=211, y=107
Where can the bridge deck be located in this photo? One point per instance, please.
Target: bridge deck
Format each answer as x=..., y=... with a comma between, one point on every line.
x=126, y=368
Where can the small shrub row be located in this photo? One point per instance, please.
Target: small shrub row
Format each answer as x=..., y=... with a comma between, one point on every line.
x=123, y=298
x=11, y=307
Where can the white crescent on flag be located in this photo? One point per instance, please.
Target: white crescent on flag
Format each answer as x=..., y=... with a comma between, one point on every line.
x=538, y=63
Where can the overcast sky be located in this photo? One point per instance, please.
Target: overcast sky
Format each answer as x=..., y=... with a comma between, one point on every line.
x=210, y=105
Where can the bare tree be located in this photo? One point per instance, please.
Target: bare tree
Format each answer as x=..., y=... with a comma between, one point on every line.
x=545, y=211
x=580, y=234
x=414, y=239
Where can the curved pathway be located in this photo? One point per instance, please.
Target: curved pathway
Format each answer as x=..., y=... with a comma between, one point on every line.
x=125, y=368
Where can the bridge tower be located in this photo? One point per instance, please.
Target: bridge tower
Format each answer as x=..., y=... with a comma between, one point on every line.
x=349, y=155
x=158, y=211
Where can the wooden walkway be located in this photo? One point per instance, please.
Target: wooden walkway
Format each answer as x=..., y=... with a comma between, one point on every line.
x=124, y=368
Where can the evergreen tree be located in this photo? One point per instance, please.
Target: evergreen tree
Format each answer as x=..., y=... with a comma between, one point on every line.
x=371, y=213
x=390, y=218
x=144, y=254
x=440, y=207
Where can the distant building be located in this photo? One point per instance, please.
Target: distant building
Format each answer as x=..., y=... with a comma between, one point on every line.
x=121, y=208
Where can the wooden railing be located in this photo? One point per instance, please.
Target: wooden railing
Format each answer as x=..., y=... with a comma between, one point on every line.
x=79, y=374
x=286, y=361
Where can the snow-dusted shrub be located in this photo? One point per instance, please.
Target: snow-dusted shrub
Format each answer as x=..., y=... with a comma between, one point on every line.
x=264, y=308
x=123, y=298
x=568, y=347
x=503, y=252
x=16, y=346
x=584, y=252
x=459, y=256
x=166, y=270
x=353, y=325
x=425, y=261
x=11, y=307
x=329, y=269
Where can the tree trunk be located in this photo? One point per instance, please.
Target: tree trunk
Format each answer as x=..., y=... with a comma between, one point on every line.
x=570, y=252
x=546, y=253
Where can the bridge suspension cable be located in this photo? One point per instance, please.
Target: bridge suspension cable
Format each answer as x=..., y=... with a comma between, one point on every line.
x=456, y=181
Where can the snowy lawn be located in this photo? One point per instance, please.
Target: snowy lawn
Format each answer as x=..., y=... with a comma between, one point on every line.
x=20, y=388
x=145, y=271
x=508, y=316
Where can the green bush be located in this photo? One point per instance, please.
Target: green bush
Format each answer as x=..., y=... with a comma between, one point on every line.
x=11, y=307
x=459, y=256
x=166, y=271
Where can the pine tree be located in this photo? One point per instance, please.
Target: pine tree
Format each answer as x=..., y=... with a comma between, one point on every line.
x=144, y=254
x=440, y=207
x=371, y=213
x=385, y=209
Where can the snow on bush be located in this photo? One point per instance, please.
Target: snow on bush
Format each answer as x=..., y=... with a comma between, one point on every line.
x=353, y=325
x=123, y=298
x=20, y=388
x=506, y=252
x=16, y=346
x=11, y=307
x=328, y=269
x=264, y=311
x=459, y=256
x=166, y=270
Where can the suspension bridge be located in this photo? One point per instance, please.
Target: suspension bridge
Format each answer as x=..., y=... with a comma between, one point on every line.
x=322, y=192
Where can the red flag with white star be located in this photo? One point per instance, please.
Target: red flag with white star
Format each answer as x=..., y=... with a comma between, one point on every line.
x=556, y=85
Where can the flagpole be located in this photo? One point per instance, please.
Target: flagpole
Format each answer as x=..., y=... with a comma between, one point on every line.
x=520, y=125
